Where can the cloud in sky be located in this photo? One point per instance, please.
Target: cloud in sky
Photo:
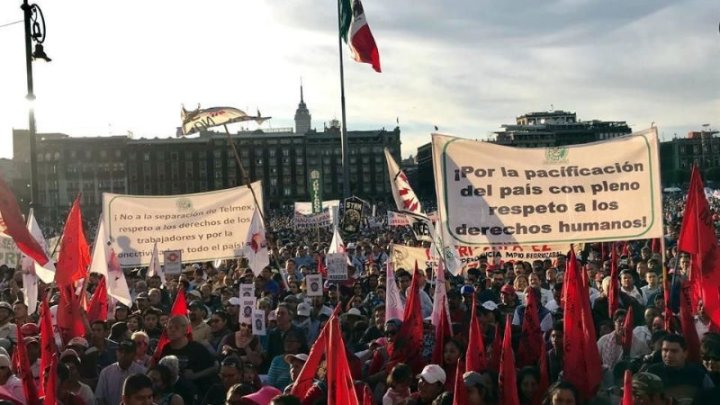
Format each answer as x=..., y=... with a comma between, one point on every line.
x=466, y=66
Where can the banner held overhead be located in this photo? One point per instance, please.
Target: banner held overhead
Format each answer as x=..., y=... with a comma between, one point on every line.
x=490, y=194
x=204, y=226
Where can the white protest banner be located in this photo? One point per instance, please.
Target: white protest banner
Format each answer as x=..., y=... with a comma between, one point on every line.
x=604, y=191
x=204, y=226
x=305, y=208
x=172, y=261
x=247, y=306
x=336, y=266
x=323, y=219
x=258, y=324
x=314, y=285
x=247, y=290
x=405, y=256
x=397, y=219
x=9, y=252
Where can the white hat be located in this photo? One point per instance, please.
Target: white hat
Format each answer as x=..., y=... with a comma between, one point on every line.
x=235, y=301
x=351, y=245
x=303, y=309
x=326, y=311
x=432, y=373
x=290, y=357
x=354, y=312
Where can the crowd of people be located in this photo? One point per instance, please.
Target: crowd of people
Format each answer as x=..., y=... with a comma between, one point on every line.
x=222, y=362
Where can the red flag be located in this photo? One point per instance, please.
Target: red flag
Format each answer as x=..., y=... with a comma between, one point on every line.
x=51, y=387
x=627, y=398
x=442, y=332
x=13, y=225
x=614, y=288
x=69, y=315
x=341, y=389
x=459, y=390
x=321, y=267
x=544, y=382
x=687, y=324
x=305, y=379
x=531, y=339
x=408, y=343
x=667, y=312
x=494, y=364
x=25, y=372
x=626, y=249
x=367, y=395
x=627, y=334
x=655, y=245
x=74, y=252
x=98, y=306
x=475, y=359
x=179, y=308
x=507, y=381
x=582, y=366
x=697, y=237
x=47, y=344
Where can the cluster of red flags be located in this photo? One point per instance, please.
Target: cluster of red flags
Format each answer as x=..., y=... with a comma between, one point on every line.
x=697, y=237
x=13, y=225
x=98, y=305
x=475, y=358
x=407, y=344
x=531, y=338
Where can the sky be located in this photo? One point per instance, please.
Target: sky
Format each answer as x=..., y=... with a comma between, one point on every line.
x=466, y=66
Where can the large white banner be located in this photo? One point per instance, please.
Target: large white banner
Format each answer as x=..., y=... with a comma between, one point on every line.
x=204, y=226
x=604, y=191
x=304, y=218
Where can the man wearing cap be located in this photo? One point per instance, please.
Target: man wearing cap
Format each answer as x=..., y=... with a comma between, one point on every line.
x=647, y=389
x=303, y=258
x=8, y=330
x=431, y=383
x=200, y=329
x=71, y=359
x=296, y=362
x=309, y=326
x=546, y=321
x=508, y=300
x=108, y=390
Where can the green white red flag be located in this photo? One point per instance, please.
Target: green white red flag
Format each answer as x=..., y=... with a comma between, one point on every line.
x=355, y=30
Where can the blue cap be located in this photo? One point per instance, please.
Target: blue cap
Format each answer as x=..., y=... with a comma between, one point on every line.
x=467, y=289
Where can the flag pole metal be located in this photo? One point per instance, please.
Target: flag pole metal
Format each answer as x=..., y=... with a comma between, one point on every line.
x=343, y=130
x=243, y=173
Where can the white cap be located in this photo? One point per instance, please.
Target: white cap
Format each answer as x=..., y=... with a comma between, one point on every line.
x=303, y=309
x=432, y=373
x=290, y=357
x=326, y=311
x=354, y=312
x=490, y=305
x=235, y=301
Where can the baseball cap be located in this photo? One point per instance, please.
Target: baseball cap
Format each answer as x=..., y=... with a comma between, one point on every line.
x=264, y=395
x=301, y=356
x=30, y=329
x=234, y=301
x=127, y=346
x=142, y=296
x=646, y=384
x=6, y=305
x=197, y=304
x=473, y=379
x=467, y=289
x=78, y=341
x=194, y=293
x=326, y=311
x=432, y=373
x=490, y=305
x=69, y=353
x=507, y=289
x=303, y=309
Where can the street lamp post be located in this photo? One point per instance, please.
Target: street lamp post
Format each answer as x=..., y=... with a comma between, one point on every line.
x=34, y=32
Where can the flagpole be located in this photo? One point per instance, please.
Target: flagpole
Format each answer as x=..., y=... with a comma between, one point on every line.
x=243, y=173
x=343, y=133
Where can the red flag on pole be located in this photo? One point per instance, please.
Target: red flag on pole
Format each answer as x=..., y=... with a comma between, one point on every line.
x=494, y=364
x=98, y=306
x=321, y=267
x=531, y=339
x=544, y=382
x=697, y=237
x=442, y=332
x=25, y=372
x=367, y=395
x=687, y=325
x=614, y=288
x=582, y=366
x=69, y=316
x=48, y=348
x=180, y=307
x=459, y=390
x=51, y=387
x=627, y=335
x=475, y=358
x=407, y=345
x=627, y=398
x=13, y=225
x=74, y=251
x=341, y=389
x=667, y=312
x=305, y=379
x=507, y=380
x=655, y=245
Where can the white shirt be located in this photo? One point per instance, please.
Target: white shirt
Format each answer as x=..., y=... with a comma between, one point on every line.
x=643, y=334
x=611, y=351
x=15, y=386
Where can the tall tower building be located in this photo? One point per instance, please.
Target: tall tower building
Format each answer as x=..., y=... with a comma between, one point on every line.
x=302, y=116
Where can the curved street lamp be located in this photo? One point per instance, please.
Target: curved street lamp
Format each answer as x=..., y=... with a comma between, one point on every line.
x=34, y=32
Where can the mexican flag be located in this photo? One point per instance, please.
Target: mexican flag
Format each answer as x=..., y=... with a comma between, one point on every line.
x=354, y=26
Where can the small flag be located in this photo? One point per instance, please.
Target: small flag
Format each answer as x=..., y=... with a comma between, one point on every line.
x=74, y=252
x=256, y=250
x=105, y=262
x=355, y=30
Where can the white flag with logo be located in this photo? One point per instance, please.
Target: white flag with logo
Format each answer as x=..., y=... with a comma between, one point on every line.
x=394, y=308
x=405, y=198
x=440, y=296
x=255, y=250
x=32, y=270
x=45, y=273
x=105, y=262
x=336, y=244
x=154, y=268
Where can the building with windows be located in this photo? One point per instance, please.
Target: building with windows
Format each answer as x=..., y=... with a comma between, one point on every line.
x=557, y=128
x=701, y=148
x=280, y=157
